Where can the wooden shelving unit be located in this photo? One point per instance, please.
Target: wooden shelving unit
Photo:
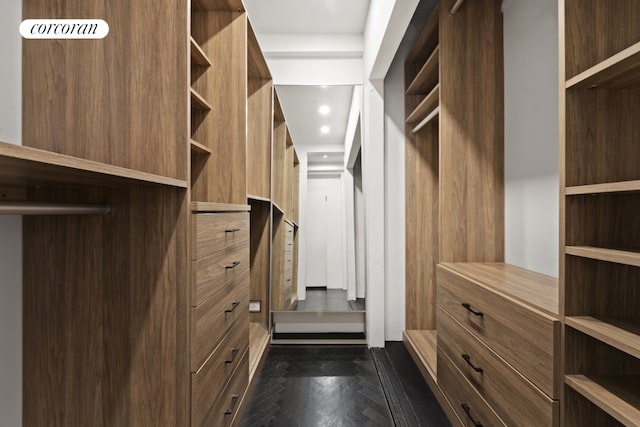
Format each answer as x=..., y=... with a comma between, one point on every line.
x=600, y=264
x=197, y=148
x=198, y=57
x=198, y=102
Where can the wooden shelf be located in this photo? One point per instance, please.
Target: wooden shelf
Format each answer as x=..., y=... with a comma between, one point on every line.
x=432, y=116
x=218, y=207
x=197, y=148
x=198, y=102
x=618, y=71
x=428, y=104
x=428, y=38
x=258, y=345
x=278, y=208
x=25, y=166
x=198, y=56
x=258, y=198
x=428, y=75
x=256, y=65
x=623, y=335
x=609, y=187
x=617, y=396
x=424, y=345
x=218, y=5
x=603, y=254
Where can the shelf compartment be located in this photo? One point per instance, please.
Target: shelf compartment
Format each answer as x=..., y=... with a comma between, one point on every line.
x=616, y=395
x=604, y=254
x=427, y=40
x=198, y=56
x=609, y=187
x=618, y=71
x=26, y=166
x=197, y=148
x=218, y=207
x=428, y=75
x=620, y=334
x=198, y=102
x=426, y=107
x=432, y=116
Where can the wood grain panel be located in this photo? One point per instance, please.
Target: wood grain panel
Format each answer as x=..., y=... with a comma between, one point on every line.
x=218, y=5
x=223, y=177
x=213, y=232
x=428, y=76
x=212, y=319
x=471, y=133
x=105, y=339
x=581, y=412
x=425, y=345
x=211, y=412
x=118, y=100
x=260, y=256
x=277, y=275
x=218, y=270
x=259, y=116
x=596, y=30
x=278, y=172
x=617, y=396
x=460, y=392
x=422, y=225
x=257, y=67
x=516, y=401
x=508, y=326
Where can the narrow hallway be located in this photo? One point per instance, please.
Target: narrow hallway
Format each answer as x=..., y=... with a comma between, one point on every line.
x=343, y=386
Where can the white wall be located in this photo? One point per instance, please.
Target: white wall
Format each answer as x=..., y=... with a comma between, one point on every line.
x=10, y=226
x=531, y=134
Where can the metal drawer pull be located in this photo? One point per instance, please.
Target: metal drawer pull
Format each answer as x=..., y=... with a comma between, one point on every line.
x=467, y=358
x=234, y=264
x=232, y=230
x=468, y=307
x=235, y=304
x=467, y=409
x=234, y=352
x=234, y=400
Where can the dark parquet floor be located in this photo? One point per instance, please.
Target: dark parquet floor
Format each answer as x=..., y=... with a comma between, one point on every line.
x=318, y=386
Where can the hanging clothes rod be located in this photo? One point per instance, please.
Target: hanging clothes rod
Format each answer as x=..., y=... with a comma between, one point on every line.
x=28, y=208
x=456, y=6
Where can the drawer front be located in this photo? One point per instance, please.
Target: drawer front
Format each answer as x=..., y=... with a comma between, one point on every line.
x=509, y=328
x=211, y=399
x=212, y=319
x=214, y=272
x=516, y=401
x=459, y=392
x=213, y=232
x=228, y=404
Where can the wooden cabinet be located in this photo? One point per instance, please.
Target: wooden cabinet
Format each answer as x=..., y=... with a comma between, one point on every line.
x=498, y=327
x=600, y=236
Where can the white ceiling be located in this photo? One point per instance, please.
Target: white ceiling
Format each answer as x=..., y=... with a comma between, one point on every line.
x=301, y=108
x=304, y=24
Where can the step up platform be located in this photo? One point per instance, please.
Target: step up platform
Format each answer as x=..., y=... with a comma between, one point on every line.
x=318, y=327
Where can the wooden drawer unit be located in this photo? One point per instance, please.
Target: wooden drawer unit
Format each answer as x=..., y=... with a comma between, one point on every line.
x=523, y=336
x=212, y=232
x=216, y=271
x=212, y=319
x=465, y=400
x=218, y=387
x=512, y=397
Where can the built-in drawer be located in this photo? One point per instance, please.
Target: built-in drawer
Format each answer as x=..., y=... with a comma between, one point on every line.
x=226, y=408
x=518, y=333
x=213, y=232
x=212, y=319
x=512, y=397
x=216, y=271
x=213, y=402
x=465, y=400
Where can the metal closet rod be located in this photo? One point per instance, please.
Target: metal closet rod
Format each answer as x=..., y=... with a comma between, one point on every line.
x=31, y=208
x=456, y=6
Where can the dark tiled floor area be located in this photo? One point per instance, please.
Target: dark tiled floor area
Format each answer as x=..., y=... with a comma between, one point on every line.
x=311, y=386
x=329, y=300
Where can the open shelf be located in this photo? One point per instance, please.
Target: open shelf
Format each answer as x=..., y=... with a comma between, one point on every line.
x=198, y=102
x=258, y=342
x=423, y=343
x=432, y=116
x=278, y=208
x=218, y=5
x=428, y=75
x=198, y=148
x=30, y=166
x=427, y=106
x=609, y=187
x=198, y=56
x=218, y=207
x=623, y=335
x=428, y=38
x=616, y=395
x=258, y=198
x=603, y=254
x=256, y=65
x=618, y=71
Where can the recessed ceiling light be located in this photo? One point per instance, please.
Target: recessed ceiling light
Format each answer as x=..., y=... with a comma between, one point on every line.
x=325, y=156
x=324, y=110
x=324, y=130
